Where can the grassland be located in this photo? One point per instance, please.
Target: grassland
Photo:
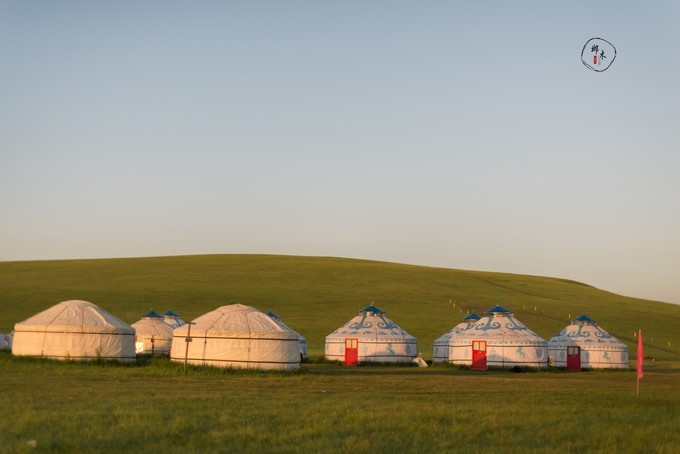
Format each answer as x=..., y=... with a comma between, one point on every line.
x=153, y=406
x=317, y=295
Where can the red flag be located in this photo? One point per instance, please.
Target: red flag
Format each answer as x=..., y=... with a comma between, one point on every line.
x=640, y=355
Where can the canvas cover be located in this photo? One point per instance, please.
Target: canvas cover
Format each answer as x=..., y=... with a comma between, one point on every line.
x=379, y=339
x=303, y=339
x=237, y=336
x=599, y=349
x=75, y=330
x=509, y=342
x=440, y=352
x=153, y=336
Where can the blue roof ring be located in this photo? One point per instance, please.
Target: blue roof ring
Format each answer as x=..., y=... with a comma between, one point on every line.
x=583, y=320
x=472, y=316
x=497, y=310
x=152, y=314
x=372, y=309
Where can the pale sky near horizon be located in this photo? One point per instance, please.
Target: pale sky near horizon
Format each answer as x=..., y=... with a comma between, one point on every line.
x=457, y=134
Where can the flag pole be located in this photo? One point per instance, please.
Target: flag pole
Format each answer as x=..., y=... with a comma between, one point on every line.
x=640, y=358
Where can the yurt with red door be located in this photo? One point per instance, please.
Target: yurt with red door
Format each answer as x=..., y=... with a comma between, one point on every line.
x=370, y=336
x=440, y=353
x=583, y=344
x=497, y=339
x=236, y=336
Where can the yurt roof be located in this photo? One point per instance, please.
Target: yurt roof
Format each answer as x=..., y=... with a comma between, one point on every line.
x=237, y=320
x=371, y=323
x=75, y=316
x=499, y=325
x=584, y=333
x=152, y=314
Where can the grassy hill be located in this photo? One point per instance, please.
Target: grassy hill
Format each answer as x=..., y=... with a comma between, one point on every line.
x=316, y=295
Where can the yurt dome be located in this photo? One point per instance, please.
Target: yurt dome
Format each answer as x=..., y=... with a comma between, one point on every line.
x=303, y=339
x=497, y=339
x=153, y=336
x=584, y=344
x=75, y=330
x=440, y=353
x=173, y=319
x=370, y=336
x=236, y=336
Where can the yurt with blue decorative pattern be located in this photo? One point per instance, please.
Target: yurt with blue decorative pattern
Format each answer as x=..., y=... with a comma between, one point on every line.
x=303, y=339
x=440, y=353
x=370, y=336
x=583, y=344
x=497, y=339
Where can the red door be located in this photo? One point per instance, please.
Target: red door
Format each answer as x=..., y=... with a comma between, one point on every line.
x=478, y=355
x=573, y=358
x=351, y=351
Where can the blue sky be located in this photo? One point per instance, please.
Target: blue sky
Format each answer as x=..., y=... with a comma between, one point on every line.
x=436, y=133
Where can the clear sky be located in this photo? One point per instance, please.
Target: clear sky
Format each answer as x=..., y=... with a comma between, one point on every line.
x=458, y=134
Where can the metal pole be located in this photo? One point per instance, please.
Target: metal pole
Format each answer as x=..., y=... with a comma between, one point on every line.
x=186, y=350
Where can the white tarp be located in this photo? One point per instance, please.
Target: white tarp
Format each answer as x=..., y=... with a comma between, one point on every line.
x=75, y=330
x=237, y=336
x=379, y=339
x=154, y=334
x=598, y=348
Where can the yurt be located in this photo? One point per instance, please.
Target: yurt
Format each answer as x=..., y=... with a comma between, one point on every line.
x=236, y=336
x=303, y=339
x=172, y=319
x=582, y=344
x=497, y=339
x=153, y=336
x=75, y=330
x=440, y=354
x=370, y=336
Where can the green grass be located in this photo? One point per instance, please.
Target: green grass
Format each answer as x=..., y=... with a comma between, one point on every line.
x=316, y=295
x=154, y=407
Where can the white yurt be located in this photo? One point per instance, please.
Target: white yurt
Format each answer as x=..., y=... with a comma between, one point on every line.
x=153, y=336
x=584, y=345
x=370, y=336
x=75, y=330
x=236, y=336
x=440, y=353
x=497, y=339
x=173, y=319
x=303, y=339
